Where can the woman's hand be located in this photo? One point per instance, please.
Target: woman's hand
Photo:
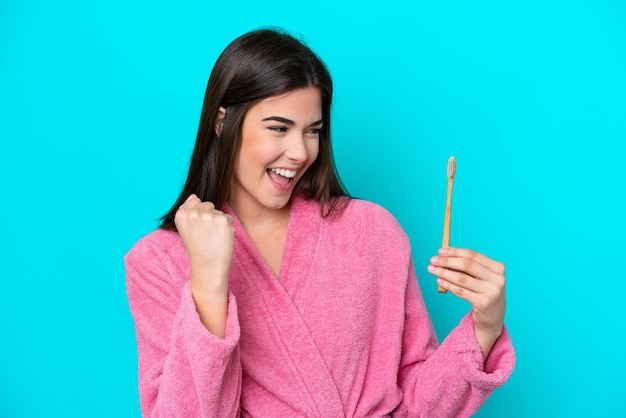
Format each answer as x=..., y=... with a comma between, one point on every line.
x=480, y=281
x=208, y=237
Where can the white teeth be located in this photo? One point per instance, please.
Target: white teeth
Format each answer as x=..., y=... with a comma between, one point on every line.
x=285, y=173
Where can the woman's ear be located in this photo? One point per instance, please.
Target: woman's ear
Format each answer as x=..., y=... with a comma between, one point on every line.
x=221, y=112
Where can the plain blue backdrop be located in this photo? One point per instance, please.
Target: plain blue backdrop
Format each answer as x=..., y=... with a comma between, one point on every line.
x=99, y=105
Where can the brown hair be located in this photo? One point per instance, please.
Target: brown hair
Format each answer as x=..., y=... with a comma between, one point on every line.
x=255, y=66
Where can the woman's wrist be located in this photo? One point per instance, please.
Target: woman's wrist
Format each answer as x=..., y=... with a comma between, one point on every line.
x=487, y=337
x=212, y=308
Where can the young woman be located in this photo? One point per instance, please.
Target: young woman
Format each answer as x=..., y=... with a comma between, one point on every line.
x=267, y=291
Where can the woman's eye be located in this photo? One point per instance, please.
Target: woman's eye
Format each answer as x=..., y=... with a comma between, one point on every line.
x=315, y=131
x=278, y=129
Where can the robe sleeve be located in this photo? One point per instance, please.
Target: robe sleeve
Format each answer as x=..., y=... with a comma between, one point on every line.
x=184, y=370
x=450, y=380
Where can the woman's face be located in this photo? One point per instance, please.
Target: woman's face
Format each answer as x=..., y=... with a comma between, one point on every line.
x=280, y=141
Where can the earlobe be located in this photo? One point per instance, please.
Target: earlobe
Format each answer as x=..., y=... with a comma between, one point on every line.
x=221, y=112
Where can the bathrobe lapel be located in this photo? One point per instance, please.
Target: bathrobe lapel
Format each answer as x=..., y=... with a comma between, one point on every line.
x=292, y=365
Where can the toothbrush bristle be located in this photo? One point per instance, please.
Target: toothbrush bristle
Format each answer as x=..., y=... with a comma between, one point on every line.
x=451, y=166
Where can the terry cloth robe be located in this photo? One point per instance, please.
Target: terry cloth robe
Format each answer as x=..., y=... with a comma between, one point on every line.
x=342, y=332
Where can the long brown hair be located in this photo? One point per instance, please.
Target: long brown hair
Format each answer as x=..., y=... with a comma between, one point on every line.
x=255, y=66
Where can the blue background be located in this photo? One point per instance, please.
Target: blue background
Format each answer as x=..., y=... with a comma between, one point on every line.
x=99, y=105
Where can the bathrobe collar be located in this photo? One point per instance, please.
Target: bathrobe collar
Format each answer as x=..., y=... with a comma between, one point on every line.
x=270, y=306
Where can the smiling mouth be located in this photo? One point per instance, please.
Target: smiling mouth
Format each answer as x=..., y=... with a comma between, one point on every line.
x=281, y=176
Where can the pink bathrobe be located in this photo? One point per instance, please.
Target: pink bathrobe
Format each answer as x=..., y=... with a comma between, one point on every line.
x=343, y=332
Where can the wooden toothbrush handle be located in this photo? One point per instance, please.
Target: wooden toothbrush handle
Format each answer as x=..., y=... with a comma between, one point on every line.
x=445, y=241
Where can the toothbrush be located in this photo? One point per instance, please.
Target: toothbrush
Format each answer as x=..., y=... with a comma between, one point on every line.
x=446, y=220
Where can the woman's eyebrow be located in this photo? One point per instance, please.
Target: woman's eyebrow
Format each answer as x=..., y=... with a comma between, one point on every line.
x=289, y=121
x=279, y=119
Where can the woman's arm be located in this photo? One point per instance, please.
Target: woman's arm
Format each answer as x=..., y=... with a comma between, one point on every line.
x=207, y=234
x=452, y=379
x=184, y=369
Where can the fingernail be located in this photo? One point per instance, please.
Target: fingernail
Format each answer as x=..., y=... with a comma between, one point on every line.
x=434, y=260
x=431, y=268
x=443, y=251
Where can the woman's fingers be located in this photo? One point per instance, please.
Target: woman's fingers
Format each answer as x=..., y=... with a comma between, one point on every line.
x=466, y=272
x=192, y=209
x=458, y=278
x=470, y=275
x=191, y=201
x=463, y=292
x=194, y=201
x=477, y=257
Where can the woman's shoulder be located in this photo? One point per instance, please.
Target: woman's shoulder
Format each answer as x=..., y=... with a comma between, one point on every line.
x=368, y=208
x=372, y=219
x=157, y=243
x=373, y=215
x=156, y=268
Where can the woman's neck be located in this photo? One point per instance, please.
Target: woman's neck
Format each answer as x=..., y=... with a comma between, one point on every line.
x=267, y=229
x=260, y=218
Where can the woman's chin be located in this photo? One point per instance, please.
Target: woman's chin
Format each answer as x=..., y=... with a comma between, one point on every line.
x=278, y=203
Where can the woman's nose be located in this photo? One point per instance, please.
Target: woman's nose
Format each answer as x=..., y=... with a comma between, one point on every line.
x=296, y=149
